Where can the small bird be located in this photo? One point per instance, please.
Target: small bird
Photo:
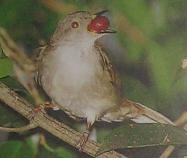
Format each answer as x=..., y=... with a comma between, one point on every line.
x=77, y=75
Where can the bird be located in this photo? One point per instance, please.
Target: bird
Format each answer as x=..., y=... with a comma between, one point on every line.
x=75, y=72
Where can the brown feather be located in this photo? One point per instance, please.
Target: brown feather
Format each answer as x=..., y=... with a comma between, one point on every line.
x=107, y=66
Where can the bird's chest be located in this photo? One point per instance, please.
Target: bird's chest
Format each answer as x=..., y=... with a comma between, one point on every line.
x=72, y=68
x=76, y=67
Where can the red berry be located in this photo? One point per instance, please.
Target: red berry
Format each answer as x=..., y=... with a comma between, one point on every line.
x=99, y=24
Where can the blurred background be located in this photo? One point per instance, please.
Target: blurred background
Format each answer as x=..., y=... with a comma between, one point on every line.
x=147, y=51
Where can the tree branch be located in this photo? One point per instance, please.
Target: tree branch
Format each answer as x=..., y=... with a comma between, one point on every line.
x=51, y=125
x=19, y=129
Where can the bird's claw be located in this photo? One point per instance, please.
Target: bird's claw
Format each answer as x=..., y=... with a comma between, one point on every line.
x=35, y=111
x=41, y=108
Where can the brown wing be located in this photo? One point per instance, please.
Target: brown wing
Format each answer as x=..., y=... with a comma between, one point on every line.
x=37, y=57
x=107, y=66
x=38, y=53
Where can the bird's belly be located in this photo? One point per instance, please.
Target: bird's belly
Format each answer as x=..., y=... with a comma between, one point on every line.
x=83, y=103
x=82, y=94
x=76, y=83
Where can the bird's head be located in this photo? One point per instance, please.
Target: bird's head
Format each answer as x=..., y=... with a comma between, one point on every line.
x=82, y=24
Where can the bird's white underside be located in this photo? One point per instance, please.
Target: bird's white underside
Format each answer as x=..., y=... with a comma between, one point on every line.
x=76, y=65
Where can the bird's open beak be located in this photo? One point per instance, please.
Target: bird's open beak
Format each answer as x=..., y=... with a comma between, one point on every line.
x=100, y=13
x=109, y=30
x=100, y=24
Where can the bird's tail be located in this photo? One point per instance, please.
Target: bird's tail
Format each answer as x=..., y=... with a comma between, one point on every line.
x=135, y=112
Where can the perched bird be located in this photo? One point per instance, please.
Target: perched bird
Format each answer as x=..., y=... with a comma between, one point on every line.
x=76, y=73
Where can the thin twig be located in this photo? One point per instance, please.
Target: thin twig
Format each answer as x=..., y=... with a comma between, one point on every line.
x=167, y=152
x=181, y=121
x=14, y=52
x=19, y=129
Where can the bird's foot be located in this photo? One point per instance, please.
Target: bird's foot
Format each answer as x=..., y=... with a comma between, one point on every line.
x=83, y=140
x=42, y=108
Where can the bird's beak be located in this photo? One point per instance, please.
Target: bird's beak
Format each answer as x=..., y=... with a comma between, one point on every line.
x=109, y=30
x=100, y=24
x=101, y=13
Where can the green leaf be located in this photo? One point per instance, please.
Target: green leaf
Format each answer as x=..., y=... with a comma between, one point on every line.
x=142, y=135
x=5, y=67
x=15, y=149
x=13, y=84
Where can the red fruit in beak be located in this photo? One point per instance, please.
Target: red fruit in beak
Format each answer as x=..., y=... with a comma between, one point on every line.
x=99, y=24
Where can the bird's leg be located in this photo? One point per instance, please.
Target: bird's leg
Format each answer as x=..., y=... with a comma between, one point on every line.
x=85, y=136
x=48, y=105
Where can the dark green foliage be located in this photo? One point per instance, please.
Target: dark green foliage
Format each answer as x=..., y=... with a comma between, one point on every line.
x=143, y=135
x=6, y=67
x=16, y=149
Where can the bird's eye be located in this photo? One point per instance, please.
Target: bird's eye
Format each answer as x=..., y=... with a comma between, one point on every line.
x=75, y=24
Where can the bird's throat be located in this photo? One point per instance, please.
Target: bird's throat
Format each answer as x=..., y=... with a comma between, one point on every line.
x=80, y=63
